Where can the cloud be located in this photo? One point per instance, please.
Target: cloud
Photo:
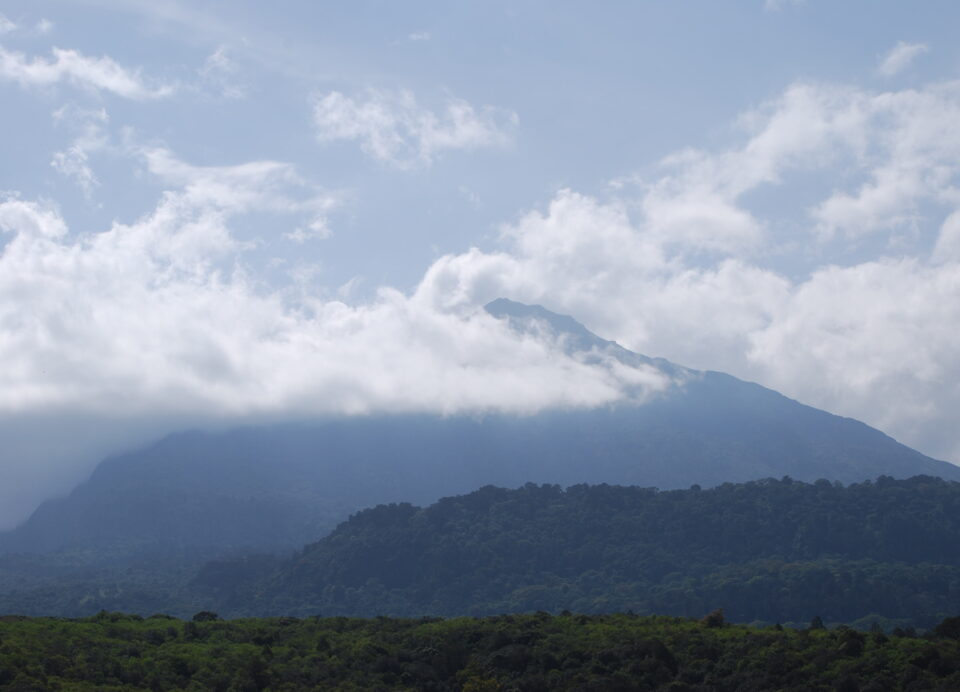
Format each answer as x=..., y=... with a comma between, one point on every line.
x=694, y=204
x=948, y=242
x=317, y=229
x=908, y=151
x=257, y=185
x=419, y=36
x=777, y=5
x=41, y=28
x=588, y=258
x=221, y=73
x=30, y=219
x=149, y=326
x=899, y=151
x=6, y=26
x=96, y=74
x=73, y=162
x=394, y=129
x=874, y=340
x=681, y=264
x=900, y=57
x=157, y=316
x=880, y=336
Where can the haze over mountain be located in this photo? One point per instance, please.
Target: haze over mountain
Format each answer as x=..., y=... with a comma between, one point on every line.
x=279, y=486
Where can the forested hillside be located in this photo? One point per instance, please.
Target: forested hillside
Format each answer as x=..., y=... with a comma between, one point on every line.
x=775, y=550
x=532, y=653
x=769, y=551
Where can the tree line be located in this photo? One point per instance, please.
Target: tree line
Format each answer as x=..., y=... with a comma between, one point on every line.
x=534, y=652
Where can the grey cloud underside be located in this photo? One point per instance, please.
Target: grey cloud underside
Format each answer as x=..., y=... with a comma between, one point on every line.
x=277, y=486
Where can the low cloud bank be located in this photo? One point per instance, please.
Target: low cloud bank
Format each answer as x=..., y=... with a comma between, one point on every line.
x=147, y=327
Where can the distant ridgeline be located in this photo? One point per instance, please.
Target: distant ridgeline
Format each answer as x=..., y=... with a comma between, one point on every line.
x=277, y=487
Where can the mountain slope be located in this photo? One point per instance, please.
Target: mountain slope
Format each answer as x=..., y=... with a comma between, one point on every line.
x=279, y=486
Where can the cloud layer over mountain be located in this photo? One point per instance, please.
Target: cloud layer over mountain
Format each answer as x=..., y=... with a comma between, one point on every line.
x=682, y=264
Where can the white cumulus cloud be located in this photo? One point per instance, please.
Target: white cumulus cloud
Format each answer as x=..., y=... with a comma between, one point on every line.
x=908, y=152
x=158, y=319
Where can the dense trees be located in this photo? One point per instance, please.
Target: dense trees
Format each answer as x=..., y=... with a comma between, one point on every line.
x=774, y=550
x=112, y=651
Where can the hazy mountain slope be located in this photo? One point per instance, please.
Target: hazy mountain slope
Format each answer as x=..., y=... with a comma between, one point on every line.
x=283, y=485
x=756, y=421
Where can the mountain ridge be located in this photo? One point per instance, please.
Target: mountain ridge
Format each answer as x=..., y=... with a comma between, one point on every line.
x=279, y=486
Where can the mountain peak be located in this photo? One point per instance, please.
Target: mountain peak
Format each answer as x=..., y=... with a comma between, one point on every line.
x=576, y=338
x=526, y=318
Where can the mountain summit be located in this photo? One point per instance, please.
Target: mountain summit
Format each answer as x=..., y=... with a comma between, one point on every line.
x=521, y=315
x=575, y=337
x=279, y=486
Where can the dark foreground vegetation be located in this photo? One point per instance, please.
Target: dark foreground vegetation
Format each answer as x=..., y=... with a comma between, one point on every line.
x=112, y=651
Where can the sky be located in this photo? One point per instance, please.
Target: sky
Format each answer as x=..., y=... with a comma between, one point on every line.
x=216, y=213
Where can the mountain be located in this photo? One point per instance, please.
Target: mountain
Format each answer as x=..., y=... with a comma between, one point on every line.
x=772, y=550
x=277, y=487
